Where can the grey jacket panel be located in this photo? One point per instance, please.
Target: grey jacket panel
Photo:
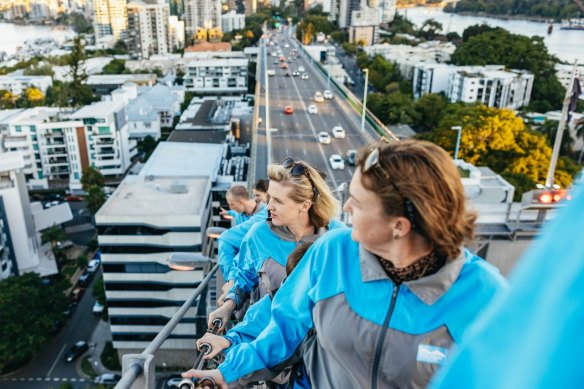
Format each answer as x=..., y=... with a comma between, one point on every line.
x=342, y=354
x=271, y=275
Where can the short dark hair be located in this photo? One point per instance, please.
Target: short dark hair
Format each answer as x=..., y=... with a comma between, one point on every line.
x=239, y=192
x=295, y=256
x=261, y=185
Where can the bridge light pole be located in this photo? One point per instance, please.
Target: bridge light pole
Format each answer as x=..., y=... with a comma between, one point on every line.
x=459, y=129
x=364, y=100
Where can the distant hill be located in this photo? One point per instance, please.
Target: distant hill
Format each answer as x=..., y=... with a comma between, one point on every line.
x=545, y=9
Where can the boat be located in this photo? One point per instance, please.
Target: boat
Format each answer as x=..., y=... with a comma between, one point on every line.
x=572, y=24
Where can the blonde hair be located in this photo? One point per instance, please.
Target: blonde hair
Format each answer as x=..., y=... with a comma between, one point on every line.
x=424, y=175
x=324, y=205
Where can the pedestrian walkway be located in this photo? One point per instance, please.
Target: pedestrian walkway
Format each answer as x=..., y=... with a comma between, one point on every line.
x=100, y=336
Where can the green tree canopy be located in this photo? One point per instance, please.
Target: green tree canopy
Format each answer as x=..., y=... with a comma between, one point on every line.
x=95, y=198
x=500, y=47
x=91, y=176
x=29, y=311
x=498, y=139
x=429, y=108
x=147, y=146
x=53, y=234
x=557, y=9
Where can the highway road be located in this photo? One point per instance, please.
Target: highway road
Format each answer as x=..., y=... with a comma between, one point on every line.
x=296, y=135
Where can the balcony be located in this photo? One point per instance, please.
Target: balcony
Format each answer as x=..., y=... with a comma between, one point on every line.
x=57, y=161
x=16, y=141
x=58, y=170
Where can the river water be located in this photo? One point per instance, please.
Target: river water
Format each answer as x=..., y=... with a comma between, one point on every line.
x=567, y=45
x=13, y=35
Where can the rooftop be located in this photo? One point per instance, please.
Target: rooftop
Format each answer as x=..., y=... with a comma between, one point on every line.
x=209, y=46
x=98, y=109
x=120, y=78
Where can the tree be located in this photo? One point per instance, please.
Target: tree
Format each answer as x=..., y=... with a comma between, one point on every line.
x=392, y=108
x=549, y=128
x=98, y=291
x=76, y=92
x=34, y=97
x=147, y=146
x=500, y=47
x=95, y=198
x=53, y=234
x=430, y=28
x=477, y=29
x=498, y=139
x=92, y=177
x=116, y=66
x=429, y=108
x=29, y=312
x=7, y=99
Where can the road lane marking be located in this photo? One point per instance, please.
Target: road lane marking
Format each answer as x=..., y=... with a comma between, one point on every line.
x=56, y=360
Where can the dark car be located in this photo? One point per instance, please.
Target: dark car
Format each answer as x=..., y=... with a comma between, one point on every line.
x=77, y=294
x=75, y=351
x=72, y=198
x=68, y=312
x=351, y=156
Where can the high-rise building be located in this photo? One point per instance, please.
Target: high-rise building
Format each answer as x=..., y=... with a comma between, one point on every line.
x=204, y=14
x=110, y=18
x=176, y=32
x=346, y=7
x=232, y=21
x=148, y=28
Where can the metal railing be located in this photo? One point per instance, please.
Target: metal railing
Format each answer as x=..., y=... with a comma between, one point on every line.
x=138, y=369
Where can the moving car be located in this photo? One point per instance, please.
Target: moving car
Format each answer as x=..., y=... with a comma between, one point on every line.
x=287, y=74
x=271, y=72
x=296, y=73
x=108, y=379
x=351, y=157
x=301, y=69
x=304, y=76
x=85, y=278
x=318, y=97
x=284, y=65
x=324, y=138
x=312, y=109
x=338, y=132
x=288, y=110
x=328, y=94
x=75, y=351
x=337, y=162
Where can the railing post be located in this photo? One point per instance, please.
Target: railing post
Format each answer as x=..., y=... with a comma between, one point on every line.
x=140, y=368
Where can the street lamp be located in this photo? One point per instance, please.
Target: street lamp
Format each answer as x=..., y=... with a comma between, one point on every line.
x=364, y=100
x=187, y=261
x=459, y=129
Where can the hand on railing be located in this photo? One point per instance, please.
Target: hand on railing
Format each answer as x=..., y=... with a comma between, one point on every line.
x=222, y=313
x=208, y=379
x=215, y=342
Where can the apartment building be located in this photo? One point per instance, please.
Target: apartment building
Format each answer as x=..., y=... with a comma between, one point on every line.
x=148, y=28
x=430, y=78
x=364, y=27
x=205, y=14
x=490, y=85
x=103, y=138
x=232, y=21
x=166, y=208
x=110, y=17
x=21, y=223
x=17, y=84
x=176, y=33
x=217, y=75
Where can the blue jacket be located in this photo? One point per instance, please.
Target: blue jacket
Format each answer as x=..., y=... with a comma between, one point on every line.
x=255, y=320
x=263, y=254
x=369, y=332
x=531, y=337
x=230, y=240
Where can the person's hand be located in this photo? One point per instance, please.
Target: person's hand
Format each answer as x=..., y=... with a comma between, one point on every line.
x=217, y=343
x=223, y=211
x=214, y=374
x=221, y=299
x=224, y=313
x=227, y=286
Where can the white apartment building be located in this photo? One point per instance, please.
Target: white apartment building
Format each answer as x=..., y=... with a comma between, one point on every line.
x=407, y=57
x=43, y=136
x=431, y=78
x=346, y=8
x=202, y=13
x=148, y=28
x=176, y=32
x=387, y=9
x=564, y=74
x=17, y=84
x=103, y=138
x=217, y=76
x=166, y=208
x=21, y=250
x=232, y=21
x=110, y=18
x=365, y=26
x=491, y=85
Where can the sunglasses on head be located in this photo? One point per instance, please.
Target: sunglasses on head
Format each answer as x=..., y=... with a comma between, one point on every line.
x=299, y=169
x=373, y=161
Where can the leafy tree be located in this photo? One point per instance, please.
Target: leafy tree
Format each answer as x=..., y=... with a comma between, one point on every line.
x=430, y=28
x=29, y=311
x=498, y=139
x=92, y=177
x=477, y=29
x=500, y=47
x=76, y=93
x=34, y=96
x=547, y=9
x=98, y=291
x=40, y=69
x=116, y=66
x=340, y=36
x=53, y=234
x=7, y=99
x=392, y=108
x=82, y=261
x=95, y=198
x=429, y=108
x=147, y=146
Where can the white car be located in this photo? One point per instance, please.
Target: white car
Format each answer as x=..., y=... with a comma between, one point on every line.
x=301, y=69
x=312, y=109
x=337, y=162
x=93, y=265
x=324, y=138
x=271, y=72
x=108, y=379
x=98, y=308
x=338, y=132
x=318, y=97
x=328, y=94
x=286, y=45
x=304, y=76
